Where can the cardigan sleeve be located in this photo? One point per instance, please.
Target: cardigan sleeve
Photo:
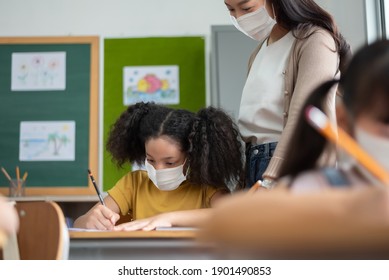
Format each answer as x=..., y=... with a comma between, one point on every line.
x=316, y=61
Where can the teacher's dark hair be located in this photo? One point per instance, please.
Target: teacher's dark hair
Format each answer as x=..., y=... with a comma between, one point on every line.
x=302, y=15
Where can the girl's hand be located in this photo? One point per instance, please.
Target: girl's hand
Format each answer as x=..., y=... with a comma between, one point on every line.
x=101, y=218
x=161, y=220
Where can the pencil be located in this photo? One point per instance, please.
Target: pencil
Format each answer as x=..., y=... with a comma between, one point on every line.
x=254, y=188
x=320, y=122
x=25, y=176
x=6, y=174
x=9, y=178
x=18, y=180
x=96, y=188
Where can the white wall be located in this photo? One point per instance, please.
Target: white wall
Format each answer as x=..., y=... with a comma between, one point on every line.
x=135, y=18
x=350, y=15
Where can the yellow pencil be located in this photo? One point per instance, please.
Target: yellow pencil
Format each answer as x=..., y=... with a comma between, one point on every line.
x=25, y=176
x=18, y=179
x=254, y=188
x=320, y=122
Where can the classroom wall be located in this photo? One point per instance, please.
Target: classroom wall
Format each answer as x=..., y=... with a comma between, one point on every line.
x=112, y=19
x=146, y=18
x=350, y=15
x=141, y=18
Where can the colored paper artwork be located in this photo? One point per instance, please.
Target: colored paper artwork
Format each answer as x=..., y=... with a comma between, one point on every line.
x=47, y=141
x=159, y=84
x=38, y=71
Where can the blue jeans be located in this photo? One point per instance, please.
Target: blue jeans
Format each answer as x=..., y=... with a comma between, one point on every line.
x=257, y=160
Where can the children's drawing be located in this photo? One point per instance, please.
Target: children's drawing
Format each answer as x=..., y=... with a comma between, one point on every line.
x=38, y=71
x=47, y=141
x=159, y=84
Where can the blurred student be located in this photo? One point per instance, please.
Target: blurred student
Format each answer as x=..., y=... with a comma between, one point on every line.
x=9, y=220
x=299, y=47
x=336, y=223
x=363, y=113
x=191, y=160
x=348, y=219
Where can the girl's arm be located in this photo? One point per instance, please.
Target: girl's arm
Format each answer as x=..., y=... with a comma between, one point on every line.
x=185, y=218
x=99, y=216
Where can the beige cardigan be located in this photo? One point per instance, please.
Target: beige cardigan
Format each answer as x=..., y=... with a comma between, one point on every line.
x=312, y=61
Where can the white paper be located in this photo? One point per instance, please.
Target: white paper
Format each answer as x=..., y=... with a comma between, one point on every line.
x=86, y=230
x=175, y=228
x=47, y=141
x=37, y=71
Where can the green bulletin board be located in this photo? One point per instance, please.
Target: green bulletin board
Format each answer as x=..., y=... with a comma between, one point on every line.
x=186, y=52
x=77, y=102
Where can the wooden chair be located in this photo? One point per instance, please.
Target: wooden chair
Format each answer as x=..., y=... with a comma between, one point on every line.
x=42, y=234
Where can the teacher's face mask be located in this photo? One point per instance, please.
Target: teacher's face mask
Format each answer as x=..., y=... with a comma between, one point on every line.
x=256, y=25
x=166, y=179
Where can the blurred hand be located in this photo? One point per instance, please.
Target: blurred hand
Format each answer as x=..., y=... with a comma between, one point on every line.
x=9, y=220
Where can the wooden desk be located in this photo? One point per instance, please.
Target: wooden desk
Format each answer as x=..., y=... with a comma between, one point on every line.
x=137, y=245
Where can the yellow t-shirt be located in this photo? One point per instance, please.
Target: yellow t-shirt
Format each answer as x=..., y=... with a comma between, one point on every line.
x=137, y=194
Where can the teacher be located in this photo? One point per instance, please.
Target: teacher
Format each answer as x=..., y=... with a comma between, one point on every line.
x=299, y=48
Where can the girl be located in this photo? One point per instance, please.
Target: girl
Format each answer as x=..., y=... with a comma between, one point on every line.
x=299, y=48
x=190, y=160
x=363, y=114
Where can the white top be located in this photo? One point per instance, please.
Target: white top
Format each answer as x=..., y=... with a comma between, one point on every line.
x=262, y=104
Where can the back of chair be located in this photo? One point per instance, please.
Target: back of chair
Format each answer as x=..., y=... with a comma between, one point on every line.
x=43, y=233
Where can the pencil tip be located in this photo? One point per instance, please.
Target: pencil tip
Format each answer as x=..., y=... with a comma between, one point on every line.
x=89, y=171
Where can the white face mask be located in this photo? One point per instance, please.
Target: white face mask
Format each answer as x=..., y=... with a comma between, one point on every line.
x=256, y=25
x=166, y=179
x=377, y=147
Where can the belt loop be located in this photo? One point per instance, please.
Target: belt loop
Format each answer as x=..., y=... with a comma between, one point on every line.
x=267, y=149
x=273, y=148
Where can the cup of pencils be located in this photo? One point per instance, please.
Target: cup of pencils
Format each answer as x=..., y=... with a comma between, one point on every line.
x=16, y=185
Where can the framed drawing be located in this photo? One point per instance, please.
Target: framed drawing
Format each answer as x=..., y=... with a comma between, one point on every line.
x=49, y=113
